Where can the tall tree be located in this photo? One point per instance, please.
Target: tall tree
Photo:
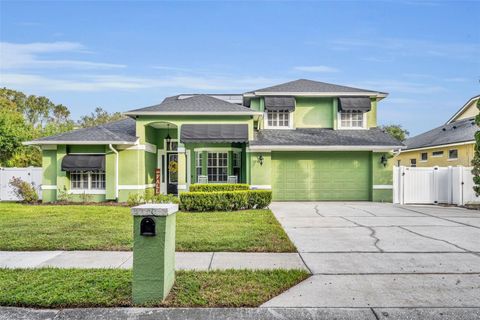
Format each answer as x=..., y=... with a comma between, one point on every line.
x=476, y=156
x=98, y=117
x=24, y=118
x=396, y=131
x=13, y=130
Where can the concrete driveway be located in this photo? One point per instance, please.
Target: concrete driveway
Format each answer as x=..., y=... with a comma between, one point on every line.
x=372, y=255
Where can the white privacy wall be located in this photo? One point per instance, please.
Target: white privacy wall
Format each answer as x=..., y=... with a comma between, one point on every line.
x=451, y=185
x=30, y=175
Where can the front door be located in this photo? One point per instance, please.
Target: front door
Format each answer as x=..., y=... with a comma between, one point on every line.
x=172, y=173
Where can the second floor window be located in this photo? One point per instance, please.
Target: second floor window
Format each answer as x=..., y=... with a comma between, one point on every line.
x=424, y=156
x=351, y=119
x=278, y=119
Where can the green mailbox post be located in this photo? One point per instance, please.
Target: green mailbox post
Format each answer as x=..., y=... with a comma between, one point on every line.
x=153, y=251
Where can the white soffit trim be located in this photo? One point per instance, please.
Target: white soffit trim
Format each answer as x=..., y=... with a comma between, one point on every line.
x=29, y=143
x=216, y=149
x=438, y=146
x=323, y=94
x=135, y=187
x=148, y=147
x=323, y=148
x=192, y=113
x=49, y=147
x=48, y=187
x=86, y=191
x=382, y=186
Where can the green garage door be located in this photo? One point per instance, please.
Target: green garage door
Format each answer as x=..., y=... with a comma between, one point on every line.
x=321, y=175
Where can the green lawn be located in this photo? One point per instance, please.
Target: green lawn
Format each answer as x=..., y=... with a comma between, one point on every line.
x=64, y=288
x=76, y=227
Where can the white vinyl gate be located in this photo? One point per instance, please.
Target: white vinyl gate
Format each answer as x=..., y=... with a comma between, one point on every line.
x=30, y=175
x=451, y=185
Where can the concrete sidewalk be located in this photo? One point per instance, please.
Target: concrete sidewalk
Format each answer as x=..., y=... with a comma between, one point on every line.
x=123, y=260
x=242, y=313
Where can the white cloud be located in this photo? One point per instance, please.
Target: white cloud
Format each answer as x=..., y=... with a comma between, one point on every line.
x=315, y=69
x=96, y=83
x=411, y=47
x=167, y=68
x=29, y=55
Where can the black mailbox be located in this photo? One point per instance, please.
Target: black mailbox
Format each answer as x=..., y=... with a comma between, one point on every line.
x=147, y=227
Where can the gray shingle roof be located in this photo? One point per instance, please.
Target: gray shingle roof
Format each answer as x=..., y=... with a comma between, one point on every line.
x=198, y=104
x=117, y=131
x=455, y=132
x=304, y=85
x=324, y=137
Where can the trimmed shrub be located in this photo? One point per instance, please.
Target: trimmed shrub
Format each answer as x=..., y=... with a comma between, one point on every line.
x=24, y=190
x=136, y=198
x=259, y=199
x=225, y=200
x=213, y=187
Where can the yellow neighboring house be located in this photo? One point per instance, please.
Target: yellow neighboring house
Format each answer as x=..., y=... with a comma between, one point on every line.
x=451, y=144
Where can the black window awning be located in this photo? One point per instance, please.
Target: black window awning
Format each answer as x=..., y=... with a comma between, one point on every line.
x=280, y=103
x=362, y=104
x=214, y=133
x=83, y=162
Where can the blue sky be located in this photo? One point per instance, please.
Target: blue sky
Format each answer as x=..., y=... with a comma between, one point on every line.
x=124, y=55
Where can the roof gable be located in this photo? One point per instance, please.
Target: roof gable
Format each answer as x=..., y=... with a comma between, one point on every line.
x=468, y=110
x=117, y=132
x=196, y=104
x=310, y=86
x=455, y=132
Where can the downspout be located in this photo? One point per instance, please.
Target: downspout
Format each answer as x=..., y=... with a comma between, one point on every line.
x=116, y=169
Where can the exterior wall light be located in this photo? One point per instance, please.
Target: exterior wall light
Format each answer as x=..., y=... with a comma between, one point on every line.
x=168, y=139
x=260, y=159
x=383, y=160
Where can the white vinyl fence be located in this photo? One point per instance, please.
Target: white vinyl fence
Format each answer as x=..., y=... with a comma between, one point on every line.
x=429, y=185
x=30, y=175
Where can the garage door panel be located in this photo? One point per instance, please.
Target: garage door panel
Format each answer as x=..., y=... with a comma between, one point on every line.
x=321, y=175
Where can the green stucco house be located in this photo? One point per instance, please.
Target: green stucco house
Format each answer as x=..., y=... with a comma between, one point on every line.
x=304, y=140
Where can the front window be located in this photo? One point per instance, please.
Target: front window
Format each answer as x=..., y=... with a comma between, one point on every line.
x=453, y=154
x=83, y=180
x=217, y=166
x=278, y=118
x=351, y=119
x=424, y=156
x=237, y=164
x=199, y=163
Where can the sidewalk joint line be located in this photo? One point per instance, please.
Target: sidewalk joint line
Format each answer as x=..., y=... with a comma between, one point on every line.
x=211, y=261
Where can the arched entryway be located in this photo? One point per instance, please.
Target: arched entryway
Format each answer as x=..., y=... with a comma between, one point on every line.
x=167, y=166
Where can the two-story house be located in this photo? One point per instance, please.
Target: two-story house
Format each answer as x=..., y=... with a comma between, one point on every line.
x=304, y=140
